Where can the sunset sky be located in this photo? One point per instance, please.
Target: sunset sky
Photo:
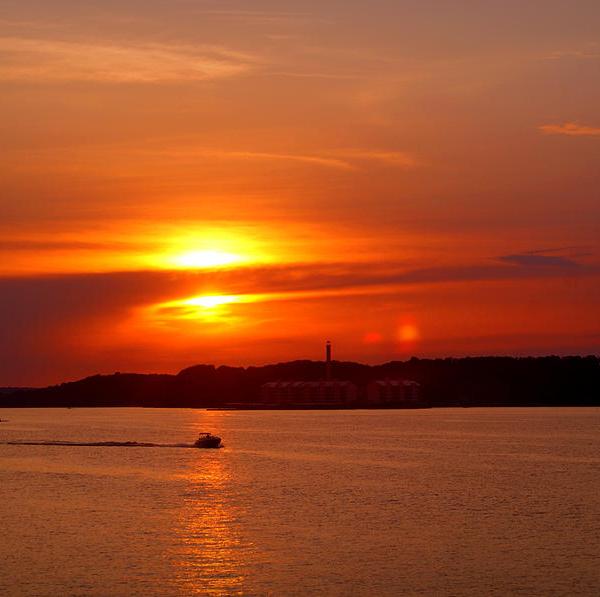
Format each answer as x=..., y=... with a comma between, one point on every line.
x=227, y=182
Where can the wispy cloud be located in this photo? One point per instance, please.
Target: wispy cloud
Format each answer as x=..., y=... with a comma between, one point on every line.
x=393, y=158
x=259, y=16
x=143, y=287
x=330, y=162
x=52, y=60
x=571, y=129
x=185, y=154
x=557, y=249
x=571, y=252
x=537, y=260
x=62, y=245
x=589, y=53
x=315, y=75
x=27, y=24
x=341, y=159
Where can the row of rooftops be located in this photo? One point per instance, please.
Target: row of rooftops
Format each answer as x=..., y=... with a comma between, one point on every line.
x=338, y=383
x=331, y=391
x=340, y=392
x=307, y=384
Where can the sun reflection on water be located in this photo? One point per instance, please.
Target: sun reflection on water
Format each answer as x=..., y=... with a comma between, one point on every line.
x=213, y=557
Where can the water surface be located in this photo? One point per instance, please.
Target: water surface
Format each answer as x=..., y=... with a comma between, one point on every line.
x=432, y=502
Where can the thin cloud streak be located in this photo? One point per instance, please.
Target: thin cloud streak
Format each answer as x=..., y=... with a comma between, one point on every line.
x=590, y=54
x=342, y=159
x=259, y=17
x=392, y=158
x=571, y=129
x=144, y=286
x=257, y=155
x=54, y=60
x=316, y=75
x=61, y=245
x=534, y=260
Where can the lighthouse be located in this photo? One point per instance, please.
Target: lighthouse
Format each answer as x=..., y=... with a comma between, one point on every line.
x=311, y=394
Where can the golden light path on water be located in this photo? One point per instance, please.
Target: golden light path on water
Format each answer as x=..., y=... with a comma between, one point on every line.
x=213, y=557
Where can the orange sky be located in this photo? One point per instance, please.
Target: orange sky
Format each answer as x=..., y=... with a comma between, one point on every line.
x=194, y=181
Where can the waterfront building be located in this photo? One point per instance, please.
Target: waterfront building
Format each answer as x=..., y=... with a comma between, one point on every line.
x=325, y=392
x=393, y=391
x=309, y=393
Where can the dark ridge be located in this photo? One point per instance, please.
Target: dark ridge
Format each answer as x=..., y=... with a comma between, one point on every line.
x=11, y=390
x=473, y=381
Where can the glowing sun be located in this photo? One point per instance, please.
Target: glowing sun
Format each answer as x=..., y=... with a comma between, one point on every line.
x=205, y=259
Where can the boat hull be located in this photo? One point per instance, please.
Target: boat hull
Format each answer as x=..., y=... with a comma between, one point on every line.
x=208, y=443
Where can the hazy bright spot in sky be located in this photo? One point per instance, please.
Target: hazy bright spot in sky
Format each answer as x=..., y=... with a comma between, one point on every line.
x=210, y=302
x=206, y=259
x=206, y=307
x=408, y=333
x=198, y=247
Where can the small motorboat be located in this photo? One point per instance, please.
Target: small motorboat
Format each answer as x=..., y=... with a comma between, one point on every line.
x=208, y=440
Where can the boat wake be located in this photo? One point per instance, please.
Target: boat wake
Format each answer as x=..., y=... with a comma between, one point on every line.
x=98, y=444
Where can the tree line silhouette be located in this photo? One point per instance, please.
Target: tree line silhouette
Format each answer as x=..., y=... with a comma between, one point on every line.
x=472, y=381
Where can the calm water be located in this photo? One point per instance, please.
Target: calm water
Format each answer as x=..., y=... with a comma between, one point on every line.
x=434, y=502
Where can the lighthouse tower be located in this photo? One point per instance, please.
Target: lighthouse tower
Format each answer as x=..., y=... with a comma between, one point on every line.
x=328, y=360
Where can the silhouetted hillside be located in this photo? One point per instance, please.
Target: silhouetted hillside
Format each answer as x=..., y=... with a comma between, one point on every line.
x=11, y=390
x=478, y=381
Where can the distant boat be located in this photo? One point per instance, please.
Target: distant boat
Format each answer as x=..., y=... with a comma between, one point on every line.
x=207, y=440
